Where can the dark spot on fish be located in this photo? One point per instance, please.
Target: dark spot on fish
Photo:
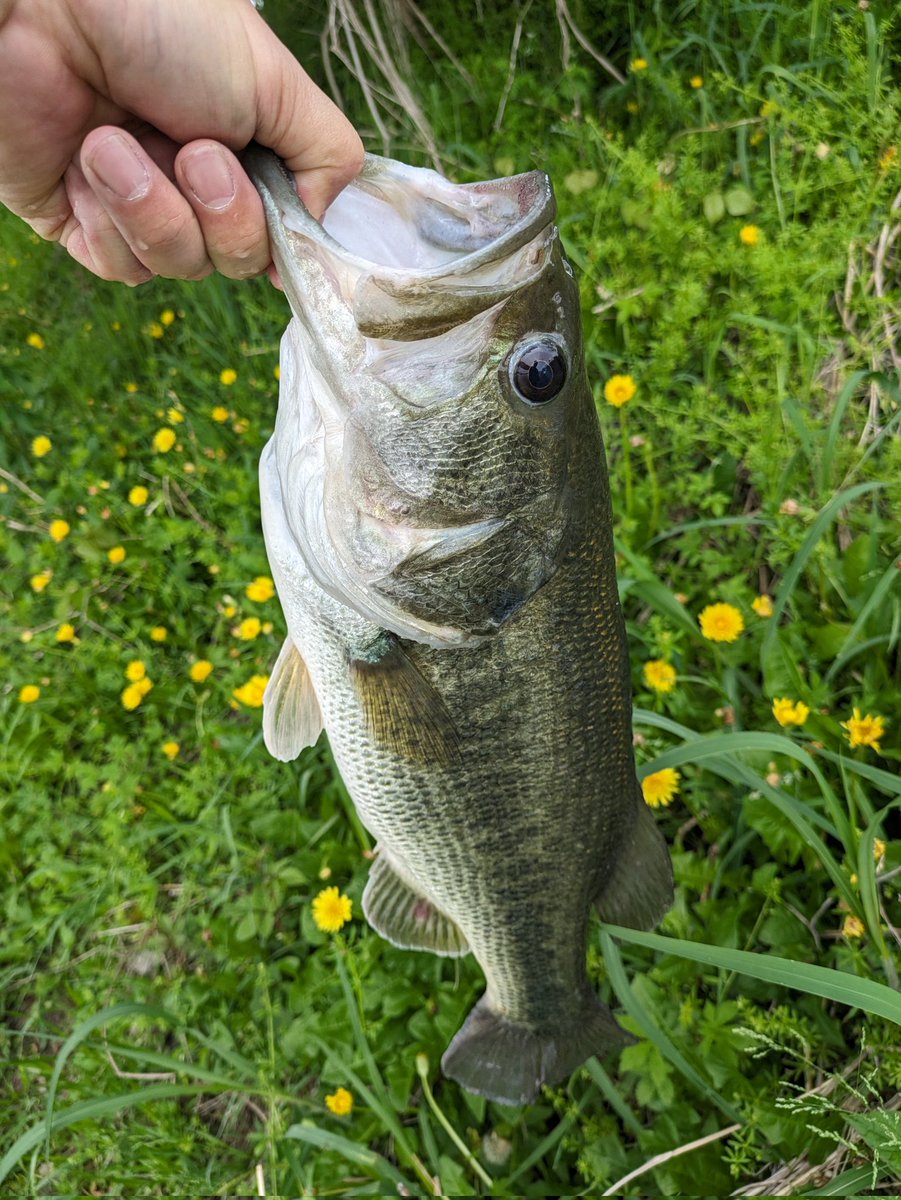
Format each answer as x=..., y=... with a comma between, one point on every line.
x=507, y=602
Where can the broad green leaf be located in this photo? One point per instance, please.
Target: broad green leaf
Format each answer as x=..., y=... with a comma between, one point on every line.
x=714, y=207
x=739, y=201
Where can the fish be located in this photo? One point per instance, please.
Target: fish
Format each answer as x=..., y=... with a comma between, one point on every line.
x=437, y=516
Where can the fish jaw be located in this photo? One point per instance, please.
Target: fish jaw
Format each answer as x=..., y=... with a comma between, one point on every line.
x=403, y=461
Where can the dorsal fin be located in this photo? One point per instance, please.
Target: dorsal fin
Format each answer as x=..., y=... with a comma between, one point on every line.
x=291, y=715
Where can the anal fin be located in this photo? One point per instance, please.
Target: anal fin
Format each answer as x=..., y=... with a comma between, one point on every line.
x=291, y=715
x=404, y=917
x=640, y=888
x=401, y=708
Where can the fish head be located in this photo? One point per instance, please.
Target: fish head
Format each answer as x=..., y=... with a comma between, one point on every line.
x=432, y=395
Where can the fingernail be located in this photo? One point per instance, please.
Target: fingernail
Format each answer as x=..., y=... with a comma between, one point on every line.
x=117, y=165
x=209, y=178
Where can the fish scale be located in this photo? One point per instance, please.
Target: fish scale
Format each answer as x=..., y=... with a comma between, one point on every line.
x=476, y=693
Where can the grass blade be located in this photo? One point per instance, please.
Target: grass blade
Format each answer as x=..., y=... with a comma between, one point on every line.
x=633, y=1006
x=884, y=780
x=825, y=517
x=880, y=591
x=95, y=1110
x=361, y=1156
x=873, y=998
x=85, y=1029
x=613, y=1098
x=849, y=1183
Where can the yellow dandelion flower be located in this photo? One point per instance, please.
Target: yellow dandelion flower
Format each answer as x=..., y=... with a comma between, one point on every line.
x=229, y=611
x=41, y=446
x=696, y=81
x=144, y=685
x=756, y=137
x=167, y=316
x=29, y=693
x=277, y=372
x=116, y=555
x=171, y=750
x=135, y=670
x=340, y=1103
x=250, y=694
x=865, y=731
x=174, y=417
x=853, y=927
x=249, y=628
x=219, y=414
x=721, y=622
x=331, y=910
x=132, y=696
x=886, y=159
x=763, y=606
x=155, y=329
x=228, y=376
x=59, y=529
x=749, y=234
x=790, y=712
x=638, y=64
x=39, y=582
x=659, y=788
x=769, y=108
x=619, y=389
x=267, y=627
x=632, y=106
x=879, y=849
x=261, y=590
x=138, y=496
x=163, y=440
x=66, y=633
x=35, y=341
x=26, y=636
x=659, y=675
x=200, y=670
x=159, y=633
x=131, y=388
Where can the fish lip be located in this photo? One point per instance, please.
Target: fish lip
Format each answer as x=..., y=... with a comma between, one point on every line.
x=276, y=186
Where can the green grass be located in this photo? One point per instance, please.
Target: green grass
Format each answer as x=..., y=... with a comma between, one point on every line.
x=171, y=1020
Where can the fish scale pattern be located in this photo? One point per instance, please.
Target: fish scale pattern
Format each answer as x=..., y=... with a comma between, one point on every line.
x=494, y=519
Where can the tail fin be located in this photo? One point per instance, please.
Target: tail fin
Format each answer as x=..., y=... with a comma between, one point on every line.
x=508, y=1061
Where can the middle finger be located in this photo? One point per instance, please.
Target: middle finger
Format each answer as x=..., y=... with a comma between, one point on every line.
x=151, y=214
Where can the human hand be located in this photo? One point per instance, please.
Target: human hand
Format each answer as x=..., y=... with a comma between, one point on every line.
x=121, y=118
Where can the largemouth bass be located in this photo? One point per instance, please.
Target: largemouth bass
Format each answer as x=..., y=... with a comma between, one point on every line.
x=438, y=523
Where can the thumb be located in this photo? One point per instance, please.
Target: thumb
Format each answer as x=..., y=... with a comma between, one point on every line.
x=302, y=125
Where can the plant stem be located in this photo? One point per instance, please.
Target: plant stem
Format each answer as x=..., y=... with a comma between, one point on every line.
x=422, y=1070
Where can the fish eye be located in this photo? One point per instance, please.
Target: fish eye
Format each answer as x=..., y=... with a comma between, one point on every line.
x=538, y=372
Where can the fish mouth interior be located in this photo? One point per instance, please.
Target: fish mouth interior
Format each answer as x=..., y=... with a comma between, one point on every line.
x=410, y=219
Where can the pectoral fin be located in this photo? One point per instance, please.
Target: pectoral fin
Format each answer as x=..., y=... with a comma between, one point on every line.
x=291, y=714
x=640, y=888
x=401, y=708
x=404, y=917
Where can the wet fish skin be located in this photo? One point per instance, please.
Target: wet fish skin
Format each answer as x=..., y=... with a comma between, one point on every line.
x=443, y=555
